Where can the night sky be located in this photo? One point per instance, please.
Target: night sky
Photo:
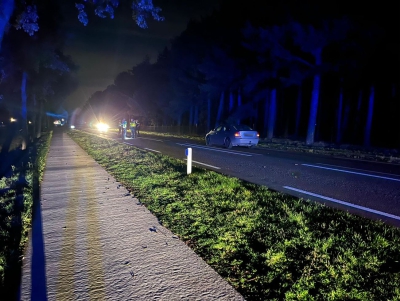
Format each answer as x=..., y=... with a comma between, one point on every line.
x=106, y=47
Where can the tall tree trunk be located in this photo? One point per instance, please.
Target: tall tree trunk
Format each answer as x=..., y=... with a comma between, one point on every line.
x=6, y=11
x=239, y=103
x=298, y=111
x=339, y=116
x=24, y=110
x=220, y=108
x=272, y=114
x=208, y=113
x=314, y=99
x=356, y=127
x=230, y=101
x=266, y=114
x=345, y=122
x=368, y=125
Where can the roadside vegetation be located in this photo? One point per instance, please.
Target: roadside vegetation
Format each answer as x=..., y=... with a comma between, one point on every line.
x=17, y=198
x=267, y=245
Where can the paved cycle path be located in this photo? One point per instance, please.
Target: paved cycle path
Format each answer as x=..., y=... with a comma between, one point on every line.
x=92, y=240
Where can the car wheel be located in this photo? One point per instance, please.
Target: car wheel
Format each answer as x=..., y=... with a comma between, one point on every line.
x=228, y=143
x=208, y=142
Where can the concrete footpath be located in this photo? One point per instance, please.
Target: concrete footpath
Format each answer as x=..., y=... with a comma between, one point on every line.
x=92, y=240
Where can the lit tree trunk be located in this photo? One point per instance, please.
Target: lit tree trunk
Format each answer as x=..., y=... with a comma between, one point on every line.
x=339, y=117
x=345, y=123
x=208, y=114
x=357, y=121
x=298, y=112
x=266, y=114
x=272, y=114
x=220, y=108
x=368, y=125
x=6, y=11
x=314, y=99
x=230, y=101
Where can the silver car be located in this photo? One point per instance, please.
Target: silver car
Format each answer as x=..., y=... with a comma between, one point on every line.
x=229, y=135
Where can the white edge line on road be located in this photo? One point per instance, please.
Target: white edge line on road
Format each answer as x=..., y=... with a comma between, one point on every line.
x=216, y=150
x=382, y=173
x=352, y=172
x=153, y=150
x=344, y=203
x=212, y=166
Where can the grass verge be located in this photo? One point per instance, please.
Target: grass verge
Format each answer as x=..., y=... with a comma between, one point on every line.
x=267, y=245
x=16, y=206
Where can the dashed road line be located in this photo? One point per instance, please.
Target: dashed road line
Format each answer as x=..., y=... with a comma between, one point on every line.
x=344, y=203
x=352, y=172
x=382, y=173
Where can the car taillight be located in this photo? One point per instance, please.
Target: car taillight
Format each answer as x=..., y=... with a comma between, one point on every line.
x=258, y=135
x=237, y=134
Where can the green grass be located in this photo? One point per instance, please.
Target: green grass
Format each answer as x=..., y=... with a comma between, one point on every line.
x=16, y=205
x=269, y=246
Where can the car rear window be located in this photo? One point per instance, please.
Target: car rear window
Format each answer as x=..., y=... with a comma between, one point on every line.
x=242, y=127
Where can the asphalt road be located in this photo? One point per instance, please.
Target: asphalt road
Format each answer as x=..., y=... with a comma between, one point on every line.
x=370, y=189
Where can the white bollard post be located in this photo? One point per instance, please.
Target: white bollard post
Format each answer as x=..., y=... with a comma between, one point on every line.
x=188, y=152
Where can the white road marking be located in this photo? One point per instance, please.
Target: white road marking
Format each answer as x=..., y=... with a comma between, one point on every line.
x=153, y=150
x=382, y=173
x=212, y=166
x=150, y=139
x=216, y=150
x=344, y=203
x=352, y=172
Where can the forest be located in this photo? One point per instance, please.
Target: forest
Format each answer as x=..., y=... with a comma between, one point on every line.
x=299, y=70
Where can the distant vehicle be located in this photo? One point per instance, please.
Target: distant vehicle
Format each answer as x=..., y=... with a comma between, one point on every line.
x=230, y=135
x=102, y=127
x=59, y=122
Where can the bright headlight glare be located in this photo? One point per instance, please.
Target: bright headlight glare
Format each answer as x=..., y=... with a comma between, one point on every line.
x=102, y=127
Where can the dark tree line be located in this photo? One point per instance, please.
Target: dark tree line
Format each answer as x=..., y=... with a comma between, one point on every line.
x=305, y=70
x=35, y=75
